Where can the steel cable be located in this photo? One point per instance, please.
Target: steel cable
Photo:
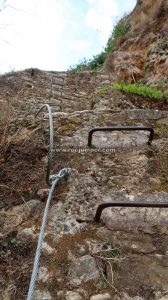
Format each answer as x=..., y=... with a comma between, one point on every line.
x=54, y=181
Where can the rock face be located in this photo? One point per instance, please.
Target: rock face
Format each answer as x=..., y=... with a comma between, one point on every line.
x=64, y=91
x=81, y=259
x=78, y=256
x=126, y=65
x=142, y=53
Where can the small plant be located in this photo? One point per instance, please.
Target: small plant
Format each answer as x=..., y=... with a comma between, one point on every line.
x=145, y=65
x=103, y=90
x=141, y=81
x=81, y=66
x=15, y=242
x=115, y=252
x=135, y=88
x=109, y=259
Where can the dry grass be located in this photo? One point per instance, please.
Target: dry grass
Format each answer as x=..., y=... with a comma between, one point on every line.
x=109, y=262
x=7, y=114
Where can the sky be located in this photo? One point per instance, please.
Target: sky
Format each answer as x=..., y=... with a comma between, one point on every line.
x=54, y=34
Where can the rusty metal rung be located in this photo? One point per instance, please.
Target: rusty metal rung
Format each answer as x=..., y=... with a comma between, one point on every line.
x=104, y=205
x=121, y=128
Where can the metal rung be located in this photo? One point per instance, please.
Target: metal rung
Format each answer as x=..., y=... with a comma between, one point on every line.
x=104, y=205
x=121, y=128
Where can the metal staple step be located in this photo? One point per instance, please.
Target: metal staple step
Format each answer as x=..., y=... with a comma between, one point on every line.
x=104, y=205
x=121, y=128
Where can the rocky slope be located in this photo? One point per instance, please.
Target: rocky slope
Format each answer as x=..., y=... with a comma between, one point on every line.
x=125, y=256
x=142, y=54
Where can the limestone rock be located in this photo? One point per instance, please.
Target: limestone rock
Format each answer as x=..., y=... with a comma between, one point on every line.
x=128, y=66
x=26, y=234
x=73, y=296
x=164, y=298
x=42, y=295
x=125, y=296
x=17, y=215
x=43, y=274
x=83, y=270
x=47, y=249
x=101, y=297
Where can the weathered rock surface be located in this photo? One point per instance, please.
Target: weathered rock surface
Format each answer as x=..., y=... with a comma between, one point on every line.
x=127, y=66
x=73, y=296
x=42, y=295
x=83, y=270
x=101, y=297
x=124, y=296
x=17, y=215
x=81, y=259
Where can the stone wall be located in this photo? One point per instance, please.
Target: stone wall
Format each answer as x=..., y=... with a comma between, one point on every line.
x=64, y=91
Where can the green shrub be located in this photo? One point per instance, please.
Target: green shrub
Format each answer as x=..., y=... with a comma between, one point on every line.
x=119, y=31
x=89, y=64
x=134, y=88
x=95, y=63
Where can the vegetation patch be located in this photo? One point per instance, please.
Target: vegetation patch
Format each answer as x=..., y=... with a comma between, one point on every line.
x=109, y=262
x=146, y=91
x=96, y=62
x=103, y=90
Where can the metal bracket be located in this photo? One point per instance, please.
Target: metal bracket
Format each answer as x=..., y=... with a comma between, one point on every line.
x=104, y=205
x=120, y=128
